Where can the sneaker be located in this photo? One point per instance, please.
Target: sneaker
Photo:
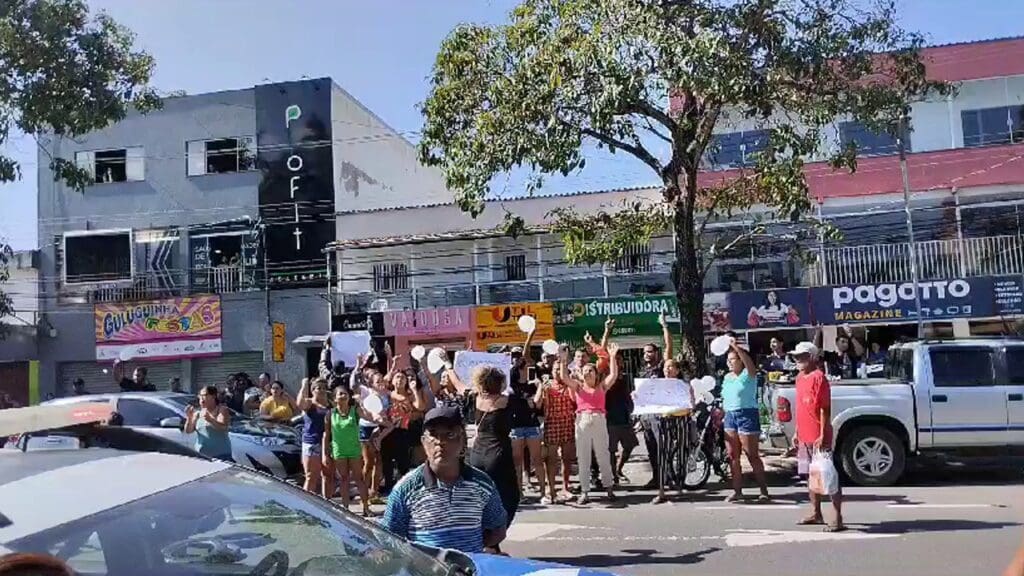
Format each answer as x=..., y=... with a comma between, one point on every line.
x=546, y=501
x=583, y=500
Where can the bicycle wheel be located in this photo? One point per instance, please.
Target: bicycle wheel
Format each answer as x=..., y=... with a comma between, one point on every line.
x=698, y=469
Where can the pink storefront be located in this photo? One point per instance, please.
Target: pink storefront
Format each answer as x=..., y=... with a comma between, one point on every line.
x=451, y=328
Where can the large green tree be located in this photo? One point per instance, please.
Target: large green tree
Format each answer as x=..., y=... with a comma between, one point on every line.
x=565, y=74
x=65, y=72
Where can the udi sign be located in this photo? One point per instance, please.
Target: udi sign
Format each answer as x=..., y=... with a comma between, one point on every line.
x=497, y=325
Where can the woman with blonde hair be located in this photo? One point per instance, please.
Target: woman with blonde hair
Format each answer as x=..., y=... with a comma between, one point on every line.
x=591, y=424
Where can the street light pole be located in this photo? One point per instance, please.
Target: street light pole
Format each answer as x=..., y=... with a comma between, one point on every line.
x=901, y=141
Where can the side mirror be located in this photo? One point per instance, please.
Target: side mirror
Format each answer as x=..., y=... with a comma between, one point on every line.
x=172, y=422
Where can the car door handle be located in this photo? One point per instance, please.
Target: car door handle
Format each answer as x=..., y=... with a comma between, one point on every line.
x=1015, y=397
x=939, y=398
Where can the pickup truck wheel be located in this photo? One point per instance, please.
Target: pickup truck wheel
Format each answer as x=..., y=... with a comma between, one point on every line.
x=873, y=456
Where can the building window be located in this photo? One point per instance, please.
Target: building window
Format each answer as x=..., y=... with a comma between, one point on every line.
x=868, y=142
x=515, y=267
x=1002, y=125
x=736, y=149
x=118, y=165
x=634, y=259
x=97, y=257
x=220, y=156
x=390, y=277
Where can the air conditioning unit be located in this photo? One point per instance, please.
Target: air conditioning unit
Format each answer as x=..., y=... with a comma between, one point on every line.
x=378, y=305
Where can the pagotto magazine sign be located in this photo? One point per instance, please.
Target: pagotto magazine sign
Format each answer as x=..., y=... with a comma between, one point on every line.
x=159, y=329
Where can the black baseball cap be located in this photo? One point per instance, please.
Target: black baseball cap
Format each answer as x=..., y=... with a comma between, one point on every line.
x=443, y=415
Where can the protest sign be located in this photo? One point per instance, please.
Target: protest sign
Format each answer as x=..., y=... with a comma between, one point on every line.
x=466, y=361
x=345, y=346
x=660, y=396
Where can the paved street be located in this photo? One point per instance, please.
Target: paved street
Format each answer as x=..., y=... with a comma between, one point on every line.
x=942, y=521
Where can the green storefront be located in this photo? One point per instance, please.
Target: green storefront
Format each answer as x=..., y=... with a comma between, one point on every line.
x=636, y=319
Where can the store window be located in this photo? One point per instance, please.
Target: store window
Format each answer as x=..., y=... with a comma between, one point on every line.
x=988, y=126
x=390, y=277
x=97, y=257
x=117, y=165
x=220, y=156
x=515, y=267
x=868, y=141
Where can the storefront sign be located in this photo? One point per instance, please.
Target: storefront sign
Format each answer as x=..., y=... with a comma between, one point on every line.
x=428, y=322
x=296, y=191
x=716, y=312
x=634, y=316
x=372, y=322
x=781, y=308
x=159, y=329
x=278, y=331
x=940, y=299
x=496, y=325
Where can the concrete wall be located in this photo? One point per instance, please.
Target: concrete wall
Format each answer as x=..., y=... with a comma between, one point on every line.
x=374, y=166
x=22, y=286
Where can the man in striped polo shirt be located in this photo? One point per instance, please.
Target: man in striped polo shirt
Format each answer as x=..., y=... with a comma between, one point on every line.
x=446, y=503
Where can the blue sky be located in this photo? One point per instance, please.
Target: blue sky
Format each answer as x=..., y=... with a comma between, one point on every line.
x=381, y=51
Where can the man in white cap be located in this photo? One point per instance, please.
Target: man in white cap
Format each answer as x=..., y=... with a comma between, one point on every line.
x=814, y=427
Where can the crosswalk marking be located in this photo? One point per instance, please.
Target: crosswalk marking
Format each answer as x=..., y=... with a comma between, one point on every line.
x=744, y=538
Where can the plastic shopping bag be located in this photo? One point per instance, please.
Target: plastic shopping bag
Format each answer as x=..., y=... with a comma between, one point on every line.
x=823, y=478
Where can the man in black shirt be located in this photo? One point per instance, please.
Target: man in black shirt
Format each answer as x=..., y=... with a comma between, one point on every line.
x=654, y=367
x=619, y=406
x=138, y=381
x=848, y=355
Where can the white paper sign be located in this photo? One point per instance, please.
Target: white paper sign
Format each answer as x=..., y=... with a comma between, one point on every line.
x=345, y=346
x=660, y=396
x=466, y=361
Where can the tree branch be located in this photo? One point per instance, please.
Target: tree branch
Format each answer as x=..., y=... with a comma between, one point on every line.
x=636, y=150
x=714, y=251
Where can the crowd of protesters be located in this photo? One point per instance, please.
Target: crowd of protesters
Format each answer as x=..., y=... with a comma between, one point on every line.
x=555, y=428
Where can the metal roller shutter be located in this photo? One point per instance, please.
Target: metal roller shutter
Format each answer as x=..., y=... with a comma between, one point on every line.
x=96, y=381
x=215, y=371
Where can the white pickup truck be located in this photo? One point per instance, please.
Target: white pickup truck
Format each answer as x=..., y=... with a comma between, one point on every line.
x=964, y=395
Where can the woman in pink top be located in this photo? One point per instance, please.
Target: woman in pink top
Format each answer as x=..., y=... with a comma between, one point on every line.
x=591, y=428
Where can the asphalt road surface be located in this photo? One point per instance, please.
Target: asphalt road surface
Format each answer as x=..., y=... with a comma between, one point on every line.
x=939, y=521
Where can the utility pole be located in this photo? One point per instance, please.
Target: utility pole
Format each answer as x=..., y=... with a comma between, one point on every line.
x=901, y=141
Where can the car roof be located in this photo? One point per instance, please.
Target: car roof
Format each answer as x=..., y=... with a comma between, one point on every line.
x=78, y=483
x=87, y=397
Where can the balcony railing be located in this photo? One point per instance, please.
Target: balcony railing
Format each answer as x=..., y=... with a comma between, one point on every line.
x=936, y=259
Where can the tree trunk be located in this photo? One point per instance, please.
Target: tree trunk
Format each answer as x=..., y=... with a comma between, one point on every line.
x=689, y=282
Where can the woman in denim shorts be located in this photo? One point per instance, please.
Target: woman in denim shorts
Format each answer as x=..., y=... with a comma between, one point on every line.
x=525, y=434
x=742, y=420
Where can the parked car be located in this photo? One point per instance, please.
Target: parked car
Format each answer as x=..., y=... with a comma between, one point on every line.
x=272, y=448
x=961, y=396
x=118, y=512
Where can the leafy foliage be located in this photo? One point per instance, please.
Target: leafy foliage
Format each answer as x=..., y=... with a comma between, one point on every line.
x=563, y=74
x=67, y=73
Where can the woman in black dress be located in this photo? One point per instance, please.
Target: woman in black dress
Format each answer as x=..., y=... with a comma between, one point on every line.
x=492, y=449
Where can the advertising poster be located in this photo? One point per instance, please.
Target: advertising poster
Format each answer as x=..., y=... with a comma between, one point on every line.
x=498, y=325
x=159, y=329
x=779, y=308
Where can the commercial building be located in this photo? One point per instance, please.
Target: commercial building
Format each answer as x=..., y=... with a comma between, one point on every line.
x=19, y=330
x=198, y=249
x=966, y=173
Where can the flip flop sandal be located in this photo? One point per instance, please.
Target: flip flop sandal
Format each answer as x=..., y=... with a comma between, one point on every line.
x=811, y=522
x=833, y=528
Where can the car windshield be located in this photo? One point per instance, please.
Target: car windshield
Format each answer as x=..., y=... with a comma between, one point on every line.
x=232, y=522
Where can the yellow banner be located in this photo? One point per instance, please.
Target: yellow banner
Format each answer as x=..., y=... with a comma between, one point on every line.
x=497, y=325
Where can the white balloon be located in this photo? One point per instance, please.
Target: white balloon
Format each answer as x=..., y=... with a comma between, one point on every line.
x=125, y=355
x=418, y=352
x=721, y=344
x=373, y=405
x=550, y=347
x=707, y=397
x=527, y=323
x=701, y=385
x=709, y=381
x=435, y=362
